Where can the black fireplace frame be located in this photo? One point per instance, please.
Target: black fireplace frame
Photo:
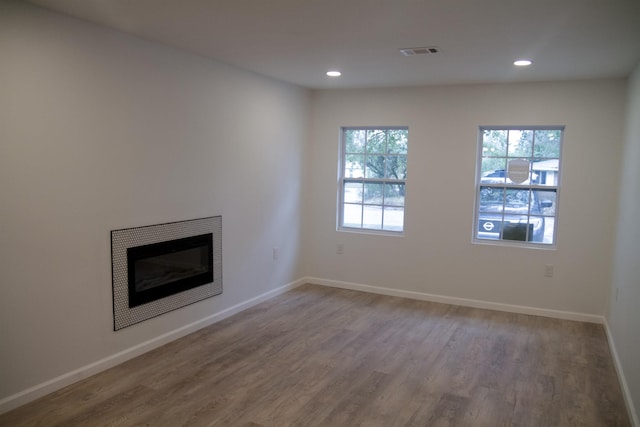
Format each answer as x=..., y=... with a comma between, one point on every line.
x=138, y=253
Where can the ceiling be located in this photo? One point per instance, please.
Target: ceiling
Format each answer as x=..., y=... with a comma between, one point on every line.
x=297, y=41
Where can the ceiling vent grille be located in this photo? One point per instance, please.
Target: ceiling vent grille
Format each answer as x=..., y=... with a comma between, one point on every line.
x=419, y=50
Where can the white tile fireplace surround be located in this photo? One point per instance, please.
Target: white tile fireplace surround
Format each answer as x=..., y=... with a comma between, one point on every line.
x=185, y=262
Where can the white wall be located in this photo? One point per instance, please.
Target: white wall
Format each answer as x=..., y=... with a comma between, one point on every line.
x=436, y=255
x=624, y=316
x=100, y=131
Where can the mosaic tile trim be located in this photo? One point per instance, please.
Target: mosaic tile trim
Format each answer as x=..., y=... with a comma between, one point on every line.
x=124, y=316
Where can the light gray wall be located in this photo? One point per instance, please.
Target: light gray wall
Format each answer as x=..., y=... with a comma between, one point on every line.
x=624, y=315
x=436, y=255
x=100, y=131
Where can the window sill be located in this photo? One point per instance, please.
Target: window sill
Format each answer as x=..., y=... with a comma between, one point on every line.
x=371, y=232
x=514, y=244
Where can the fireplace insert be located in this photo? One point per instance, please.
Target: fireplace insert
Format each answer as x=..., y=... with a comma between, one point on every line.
x=161, y=269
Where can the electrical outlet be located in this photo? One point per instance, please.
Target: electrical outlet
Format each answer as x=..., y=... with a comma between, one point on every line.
x=340, y=248
x=275, y=254
x=548, y=270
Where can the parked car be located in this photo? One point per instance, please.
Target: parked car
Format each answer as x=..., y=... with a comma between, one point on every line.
x=510, y=213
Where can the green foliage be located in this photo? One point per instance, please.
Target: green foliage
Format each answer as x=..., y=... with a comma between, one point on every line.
x=355, y=141
x=547, y=144
x=494, y=150
x=378, y=154
x=494, y=143
x=498, y=145
x=376, y=141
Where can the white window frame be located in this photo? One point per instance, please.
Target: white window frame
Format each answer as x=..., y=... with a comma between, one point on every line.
x=530, y=185
x=342, y=180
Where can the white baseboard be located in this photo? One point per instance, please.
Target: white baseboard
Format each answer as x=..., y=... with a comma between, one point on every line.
x=633, y=415
x=557, y=314
x=68, y=378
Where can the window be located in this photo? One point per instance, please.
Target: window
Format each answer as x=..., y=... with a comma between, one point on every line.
x=373, y=172
x=517, y=181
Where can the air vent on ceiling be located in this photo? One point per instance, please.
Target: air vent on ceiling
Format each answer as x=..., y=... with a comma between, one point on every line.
x=419, y=50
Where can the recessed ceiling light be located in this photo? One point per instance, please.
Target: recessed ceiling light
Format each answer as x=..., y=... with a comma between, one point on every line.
x=334, y=73
x=522, y=62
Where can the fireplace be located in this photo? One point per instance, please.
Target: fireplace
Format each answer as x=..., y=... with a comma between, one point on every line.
x=166, y=268
x=163, y=267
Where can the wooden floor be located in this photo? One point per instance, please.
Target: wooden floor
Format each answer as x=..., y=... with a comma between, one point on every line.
x=318, y=356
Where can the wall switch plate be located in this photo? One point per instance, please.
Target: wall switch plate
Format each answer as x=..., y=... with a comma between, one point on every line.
x=275, y=254
x=548, y=270
x=340, y=248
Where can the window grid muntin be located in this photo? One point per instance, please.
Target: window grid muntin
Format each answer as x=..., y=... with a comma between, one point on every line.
x=383, y=181
x=530, y=187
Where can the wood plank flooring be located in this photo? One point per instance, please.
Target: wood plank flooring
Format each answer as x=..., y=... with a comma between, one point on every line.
x=318, y=356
